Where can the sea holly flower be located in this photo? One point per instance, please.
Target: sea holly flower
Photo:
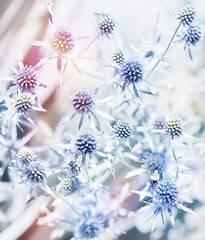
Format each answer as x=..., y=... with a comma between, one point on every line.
x=25, y=155
x=25, y=78
x=174, y=127
x=187, y=14
x=91, y=227
x=164, y=196
x=85, y=145
x=155, y=163
x=61, y=44
x=84, y=103
x=118, y=57
x=123, y=129
x=21, y=105
x=191, y=36
x=131, y=73
x=68, y=184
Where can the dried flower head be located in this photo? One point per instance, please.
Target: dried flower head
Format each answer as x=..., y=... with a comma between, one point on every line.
x=83, y=102
x=62, y=41
x=123, y=129
x=187, y=14
x=174, y=126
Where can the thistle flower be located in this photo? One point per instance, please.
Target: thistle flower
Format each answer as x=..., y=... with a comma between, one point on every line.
x=24, y=103
x=164, y=196
x=74, y=168
x=89, y=228
x=131, y=72
x=187, y=14
x=85, y=145
x=191, y=37
x=174, y=127
x=33, y=173
x=155, y=163
x=25, y=155
x=123, y=129
x=26, y=78
x=84, y=103
x=159, y=123
x=118, y=57
x=106, y=25
x=68, y=185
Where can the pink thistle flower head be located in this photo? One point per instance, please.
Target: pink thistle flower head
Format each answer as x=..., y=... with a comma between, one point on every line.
x=26, y=78
x=62, y=41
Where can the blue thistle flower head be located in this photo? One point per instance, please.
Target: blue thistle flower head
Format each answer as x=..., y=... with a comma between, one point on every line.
x=174, y=127
x=83, y=102
x=90, y=228
x=131, y=72
x=86, y=144
x=107, y=25
x=34, y=173
x=187, y=14
x=192, y=35
x=26, y=78
x=164, y=195
x=123, y=129
x=159, y=123
x=155, y=163
x=74, y=168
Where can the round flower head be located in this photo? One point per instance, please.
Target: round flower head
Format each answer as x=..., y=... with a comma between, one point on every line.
x=174, y=126
x=118, y=57
x=74, y=168
x=26, y=155
x=68, y=185
x=164, y=195
x=33, y=173
x=86, y=144
x=90, y=228
x=83, y=102
x=123, y=129
x=24, y=102
x=107, y=25
x=156, y=163
x=192, y=35
x=26, y=78
x=131, y=72
x=159, y=123
x=62, y=41
x=187, y=14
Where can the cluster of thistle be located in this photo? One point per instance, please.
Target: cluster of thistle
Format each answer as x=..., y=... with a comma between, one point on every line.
x=120, y=134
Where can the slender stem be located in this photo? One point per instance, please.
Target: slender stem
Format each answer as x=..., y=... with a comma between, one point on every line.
x=157, y=21
x=170, y=42
x=85, y=49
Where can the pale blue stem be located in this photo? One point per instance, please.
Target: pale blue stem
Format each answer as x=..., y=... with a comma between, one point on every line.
x=166, y=50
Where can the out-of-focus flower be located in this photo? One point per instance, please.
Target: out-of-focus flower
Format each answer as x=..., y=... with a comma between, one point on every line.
x=174, y=127
x=187, y=14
